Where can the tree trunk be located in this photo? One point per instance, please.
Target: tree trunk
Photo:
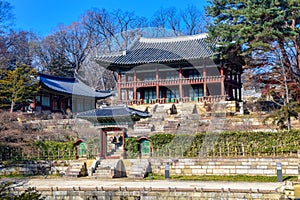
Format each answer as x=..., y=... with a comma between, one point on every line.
x=12, y=105
x=287, y=99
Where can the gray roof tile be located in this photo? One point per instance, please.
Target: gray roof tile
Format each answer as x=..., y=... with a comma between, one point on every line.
x=161, y=50
x=72, y=86
x=113, y=111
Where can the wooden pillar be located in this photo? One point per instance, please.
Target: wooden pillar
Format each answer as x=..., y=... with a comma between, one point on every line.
x=204, y=82
x=222, y=82
x=157, y=85
x=119, y=86
x=103, y=143
x=235, y=94
x=240, y=86
x=126, y=95
x=134, y=84
x=225, y=80
x=123, y=142
x=180, y=84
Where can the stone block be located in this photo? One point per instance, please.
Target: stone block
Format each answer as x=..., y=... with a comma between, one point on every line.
x=195, y=167
x=291, y=172
x=227, y=167
x=262, y=167
x=243, y=167
x=209, y=171
x=242, y=171
x=256, y=171
x=221, y=171
x=198, y=171
x=187, y=171
x=211, y=167
x=269, y=172
x=246, y=163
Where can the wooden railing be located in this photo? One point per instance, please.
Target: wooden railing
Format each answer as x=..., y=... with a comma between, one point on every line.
x=174, y=100
x=169, y=82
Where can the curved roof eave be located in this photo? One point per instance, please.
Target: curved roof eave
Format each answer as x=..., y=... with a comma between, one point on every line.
x=70, y=86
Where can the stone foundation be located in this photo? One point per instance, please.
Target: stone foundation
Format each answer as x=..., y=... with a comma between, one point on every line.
x=82, y=193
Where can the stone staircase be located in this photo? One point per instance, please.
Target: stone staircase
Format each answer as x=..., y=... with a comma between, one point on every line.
x=105, y=168
x=171, y=126
x=77, y=168
x=139, y=168
x=116, y=168
x=189, y=124
x=185, y=121
x=116, y=152
x=158, y=117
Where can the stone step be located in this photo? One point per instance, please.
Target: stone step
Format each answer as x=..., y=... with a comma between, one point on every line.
x=138, y=168
x=75, y=169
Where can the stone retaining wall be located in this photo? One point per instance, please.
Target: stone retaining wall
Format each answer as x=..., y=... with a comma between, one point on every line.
x=26, y=168
x=82, y=193
x=187, y=167
x=228, y=166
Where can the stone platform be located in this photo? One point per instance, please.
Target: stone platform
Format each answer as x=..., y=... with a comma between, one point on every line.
x=84, y=188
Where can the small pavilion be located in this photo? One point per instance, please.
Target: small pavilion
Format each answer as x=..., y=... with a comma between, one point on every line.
x=58, y=94
x=113, y=119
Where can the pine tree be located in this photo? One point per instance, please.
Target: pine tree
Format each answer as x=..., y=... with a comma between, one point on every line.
x=17, y=85
x=251, y=28
x=265, y=35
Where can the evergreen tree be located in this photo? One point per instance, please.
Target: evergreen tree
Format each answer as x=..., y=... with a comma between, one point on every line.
x=6, y=193
x=253, y=29
x=17, y=85
x=265, y=36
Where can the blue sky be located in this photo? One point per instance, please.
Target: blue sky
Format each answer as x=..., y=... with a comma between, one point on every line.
x=42, y=16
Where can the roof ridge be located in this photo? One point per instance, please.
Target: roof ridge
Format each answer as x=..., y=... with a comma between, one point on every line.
x=112, y=54
x=50, y=76
x=174, y=38
x=134, y=43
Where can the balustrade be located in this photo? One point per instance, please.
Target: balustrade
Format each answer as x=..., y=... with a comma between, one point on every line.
x=175, y=81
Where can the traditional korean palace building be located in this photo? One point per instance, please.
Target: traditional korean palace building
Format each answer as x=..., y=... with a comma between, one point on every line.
x=60, y=93
x=174, y=69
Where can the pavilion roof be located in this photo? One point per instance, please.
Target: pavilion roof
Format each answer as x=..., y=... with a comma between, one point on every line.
x=72, y=86
x=160, y=50
x=120, y=114
x=113, y=111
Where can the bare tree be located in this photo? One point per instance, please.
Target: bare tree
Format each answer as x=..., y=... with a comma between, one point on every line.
x=52, y=56
x=6, y=16
x=194, y=20
x=16, y=47
x=111, y=32
x=166, y=18
x=63, y=52
x=188, y=21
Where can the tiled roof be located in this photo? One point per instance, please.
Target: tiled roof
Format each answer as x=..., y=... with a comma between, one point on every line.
x=161, y=50
x=71, y=86
x=113, y=111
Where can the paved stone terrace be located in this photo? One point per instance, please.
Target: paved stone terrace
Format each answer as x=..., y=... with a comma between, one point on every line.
x=120, y=189
x=123, y=184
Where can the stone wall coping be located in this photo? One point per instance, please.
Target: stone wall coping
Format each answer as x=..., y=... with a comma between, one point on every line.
x=150, y=189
